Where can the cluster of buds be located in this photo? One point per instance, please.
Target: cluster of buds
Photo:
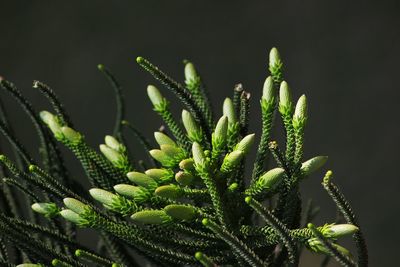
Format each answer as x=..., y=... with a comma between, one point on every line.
x=286, y=106
x=233, y=159
x=61, y=132
x=116, y=153
x=169, y=154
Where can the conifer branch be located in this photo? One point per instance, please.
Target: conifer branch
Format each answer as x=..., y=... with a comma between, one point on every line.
x=180, y=92
x=346, y=210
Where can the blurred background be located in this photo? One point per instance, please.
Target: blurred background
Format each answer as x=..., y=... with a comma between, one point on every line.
x=344, y=55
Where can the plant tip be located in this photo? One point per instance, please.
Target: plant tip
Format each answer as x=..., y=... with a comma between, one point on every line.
x=198, y=255
x=139, y=59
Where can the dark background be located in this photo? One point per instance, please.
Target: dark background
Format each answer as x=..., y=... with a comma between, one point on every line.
x=344, y=55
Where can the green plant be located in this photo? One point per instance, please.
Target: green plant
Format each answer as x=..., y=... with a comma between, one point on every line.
x=193, y=206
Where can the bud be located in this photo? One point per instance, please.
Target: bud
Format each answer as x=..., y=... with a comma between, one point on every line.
x=71, y=135
x=163, y=139
x=142, y=179
x=160, y=156
x=180, y=212
x=151, y=217
x=155, y=96
x=46, y=116
x=300, y=112
x=313, y=164
x=172, y=151
x=71, y=216
x=112, y=155
x=198, y=154
x=221, y=128
x=268, y=89
x=190, y=73
x=191, y=126
x=75, y=205
x=187, y=164
x=137, y=193
x=219, y=137
x=103, y=196
x=285, y=99
x=184, y=178
x=168, y=191
x=245, y=144
x=113, y=143
x=49, y=210
x=229, y=110
x=52, y=123
x=233, y=187
x=274, y=58
x=29, y=265
x=267, y=181
x=271, y=178
x=232, y=160
x=338, y=230
x=160, y=175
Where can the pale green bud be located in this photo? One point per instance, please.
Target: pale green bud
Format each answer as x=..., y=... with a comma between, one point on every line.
x=111, y=154
x=155, y=96
x=160, y=156
x=229, y=110
x=285, y=98
x=191, y=126
x=180, y=212
x=72, y=216
x=75, y=205
x=47, y=209
x=52, y=122
x=232, y=160
x=338, y=230
x=142, y=179
x=190, y=72
x=198, y=154
x=46, y=116
x=162, y=175
x=221, y=129
x=313, y=164
x=151, y=217
x=168, y=191
x=103, y=196
x=268, y=89
x=267, y=181
x=274, y=57
x=184, y=178
x=163, y=139
x=71, y=135
x=172, y=151
x=245, y=144
x=187, y=164
x=113, y=143
x=138, y=193
x=300, y=112
x=271, y=177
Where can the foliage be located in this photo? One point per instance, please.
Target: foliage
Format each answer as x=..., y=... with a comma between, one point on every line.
x=190, y=203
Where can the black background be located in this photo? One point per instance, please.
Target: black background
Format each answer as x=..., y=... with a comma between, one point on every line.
x=344, y=55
